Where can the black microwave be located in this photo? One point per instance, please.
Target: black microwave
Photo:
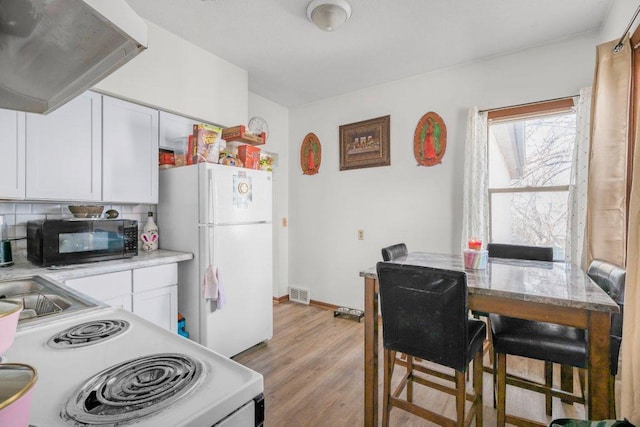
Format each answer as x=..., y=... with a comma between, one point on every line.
x=73, y=241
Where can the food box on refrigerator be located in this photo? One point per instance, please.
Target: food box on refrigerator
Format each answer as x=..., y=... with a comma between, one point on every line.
x=206, y=143
x=241, y=134
x=250, y=156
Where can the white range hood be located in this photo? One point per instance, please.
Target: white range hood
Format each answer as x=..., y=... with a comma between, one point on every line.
x=53, y=50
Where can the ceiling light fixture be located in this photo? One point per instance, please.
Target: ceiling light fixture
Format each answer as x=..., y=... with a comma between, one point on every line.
x=328, y=15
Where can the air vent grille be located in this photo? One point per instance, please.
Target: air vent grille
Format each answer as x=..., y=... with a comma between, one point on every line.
x=300, y=295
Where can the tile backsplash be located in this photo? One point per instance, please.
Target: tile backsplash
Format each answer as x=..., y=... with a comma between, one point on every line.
x=16, y=215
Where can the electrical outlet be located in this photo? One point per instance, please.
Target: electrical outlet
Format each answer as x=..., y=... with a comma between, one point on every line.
x=285, y=222
x=360, y=234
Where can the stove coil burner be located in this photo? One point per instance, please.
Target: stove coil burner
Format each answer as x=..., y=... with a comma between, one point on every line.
x=134, y=389
x=88, y=333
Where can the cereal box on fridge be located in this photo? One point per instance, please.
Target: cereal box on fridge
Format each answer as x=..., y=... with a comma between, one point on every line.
x=206, y=143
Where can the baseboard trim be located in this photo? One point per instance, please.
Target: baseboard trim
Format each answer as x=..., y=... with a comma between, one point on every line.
x=278, y=300
x=324, y=305
x=320, y=304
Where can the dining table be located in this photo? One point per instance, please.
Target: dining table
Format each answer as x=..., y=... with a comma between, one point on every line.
x=555, y=292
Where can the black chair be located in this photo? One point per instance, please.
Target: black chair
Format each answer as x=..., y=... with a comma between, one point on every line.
x=424, y=315
x=394, y=251
x=388, y=254
x=573, y=422
x=611, y=279
x=554, y=343
x=533, y=253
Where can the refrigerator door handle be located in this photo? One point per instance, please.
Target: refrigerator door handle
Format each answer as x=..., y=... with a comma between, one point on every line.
x=211, y=196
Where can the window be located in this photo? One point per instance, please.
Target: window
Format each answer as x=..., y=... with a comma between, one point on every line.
x=530, y=157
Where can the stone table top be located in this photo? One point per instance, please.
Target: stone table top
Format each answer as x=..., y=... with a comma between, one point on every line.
x=554, y=283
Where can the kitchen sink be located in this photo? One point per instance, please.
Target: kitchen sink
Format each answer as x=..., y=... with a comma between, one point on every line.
x=38, y=304
x=41, y=298
x=8, y=289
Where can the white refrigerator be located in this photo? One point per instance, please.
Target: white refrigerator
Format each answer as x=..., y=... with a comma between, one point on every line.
x=221, y=214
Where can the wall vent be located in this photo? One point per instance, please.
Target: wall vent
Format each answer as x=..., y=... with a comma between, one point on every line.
x=300, y=295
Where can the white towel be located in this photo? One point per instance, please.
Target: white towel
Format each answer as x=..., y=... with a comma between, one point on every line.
x=221, y=294
x=212, y=286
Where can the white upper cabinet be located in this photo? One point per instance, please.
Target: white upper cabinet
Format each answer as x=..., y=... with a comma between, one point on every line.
x=173, y=129
x=64, y=151
x=12, y=154
x=130, y=152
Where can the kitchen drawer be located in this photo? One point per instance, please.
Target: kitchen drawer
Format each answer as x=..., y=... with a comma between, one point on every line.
x=103, y=286
x=155, y=277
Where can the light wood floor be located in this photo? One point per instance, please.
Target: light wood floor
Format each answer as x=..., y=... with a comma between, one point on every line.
x=313, y=374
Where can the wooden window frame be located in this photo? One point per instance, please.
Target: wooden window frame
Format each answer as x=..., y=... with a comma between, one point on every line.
x=553, y=106
x=520, y=112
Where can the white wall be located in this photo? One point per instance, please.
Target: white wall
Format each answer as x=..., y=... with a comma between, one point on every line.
x=617, y=20
x=177, y=76
x=402, y=202
x=277, y=118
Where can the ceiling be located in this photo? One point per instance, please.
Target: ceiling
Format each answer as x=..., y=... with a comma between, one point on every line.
x=292, y=62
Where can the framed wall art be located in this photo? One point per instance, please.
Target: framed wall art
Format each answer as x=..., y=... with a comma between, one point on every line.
x=310, y=154
x=430, y=140
x=365, y=144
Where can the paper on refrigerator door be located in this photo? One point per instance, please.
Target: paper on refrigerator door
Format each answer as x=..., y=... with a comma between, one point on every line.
x=242, y=190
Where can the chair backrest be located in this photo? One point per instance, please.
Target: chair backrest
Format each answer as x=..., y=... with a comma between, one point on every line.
x=611, y=278
x=424, y=312
x=394, y=251
x=533, y=253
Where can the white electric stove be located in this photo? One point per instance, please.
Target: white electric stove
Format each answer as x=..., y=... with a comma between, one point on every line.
x=110, y=367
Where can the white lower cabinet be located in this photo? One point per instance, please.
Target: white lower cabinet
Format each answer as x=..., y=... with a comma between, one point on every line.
x=113, y=289
x=121, y=301
x=155, y=295
x=149, y=292
x=159, y=306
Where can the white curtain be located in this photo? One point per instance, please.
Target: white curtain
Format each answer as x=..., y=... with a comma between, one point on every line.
x=475, y=219
x=576, y=219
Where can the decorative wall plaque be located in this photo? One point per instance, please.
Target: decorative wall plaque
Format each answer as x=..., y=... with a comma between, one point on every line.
x=430, y=140
x=310, y=154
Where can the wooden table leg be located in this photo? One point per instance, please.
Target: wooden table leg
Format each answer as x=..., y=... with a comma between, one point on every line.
x=370, y=352
x=599, y=370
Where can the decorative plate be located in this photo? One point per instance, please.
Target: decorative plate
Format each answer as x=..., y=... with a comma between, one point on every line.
x=430, y=140
x=258, y=125
x=310, y=154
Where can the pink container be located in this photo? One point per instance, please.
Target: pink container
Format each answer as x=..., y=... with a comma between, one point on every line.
x=16, y=389
x=9, y=316
x=475, y=260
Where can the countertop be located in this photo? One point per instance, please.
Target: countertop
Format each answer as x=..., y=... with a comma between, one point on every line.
x=24, y=268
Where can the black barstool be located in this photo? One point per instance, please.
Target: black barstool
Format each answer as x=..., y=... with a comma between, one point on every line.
x=424, y=315
x=394, y=251
x=523, y=252
x=554, y=343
